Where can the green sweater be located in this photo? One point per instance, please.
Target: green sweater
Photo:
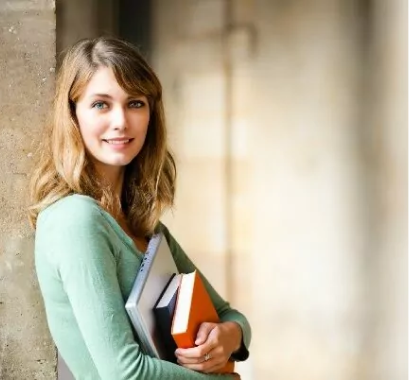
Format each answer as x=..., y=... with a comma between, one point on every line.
x=86, y=265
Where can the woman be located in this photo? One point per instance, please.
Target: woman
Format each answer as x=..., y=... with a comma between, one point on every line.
x=104, y=179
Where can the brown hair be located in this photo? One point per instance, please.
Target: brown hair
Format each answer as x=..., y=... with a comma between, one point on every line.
x=64, y=167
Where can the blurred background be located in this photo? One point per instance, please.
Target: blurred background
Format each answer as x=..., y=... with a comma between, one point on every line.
x=288, y=120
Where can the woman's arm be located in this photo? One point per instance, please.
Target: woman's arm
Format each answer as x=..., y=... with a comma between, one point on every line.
x=78, y=246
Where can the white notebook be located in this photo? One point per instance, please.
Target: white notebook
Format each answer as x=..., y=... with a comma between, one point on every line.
x=156, y=269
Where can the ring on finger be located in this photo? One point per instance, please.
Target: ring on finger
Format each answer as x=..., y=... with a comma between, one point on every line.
x=207, y=357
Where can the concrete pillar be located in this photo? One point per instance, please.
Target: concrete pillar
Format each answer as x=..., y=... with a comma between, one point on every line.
x=201, y=56
x=387, y=330
x=307, y=199
x=27, y=64
x=195, y=100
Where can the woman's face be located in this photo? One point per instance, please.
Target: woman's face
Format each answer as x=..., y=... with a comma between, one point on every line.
x=113, y=124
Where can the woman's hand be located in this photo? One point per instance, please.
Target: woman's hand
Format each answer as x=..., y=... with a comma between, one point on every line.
x=215, y=344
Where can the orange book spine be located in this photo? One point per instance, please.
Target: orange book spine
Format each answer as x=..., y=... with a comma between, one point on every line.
x=201, y=310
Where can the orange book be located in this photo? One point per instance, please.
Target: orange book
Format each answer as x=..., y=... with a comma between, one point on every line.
x=193, y=307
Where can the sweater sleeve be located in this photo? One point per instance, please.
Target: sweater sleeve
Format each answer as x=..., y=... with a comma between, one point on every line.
x=79, y=248
x=225, y=312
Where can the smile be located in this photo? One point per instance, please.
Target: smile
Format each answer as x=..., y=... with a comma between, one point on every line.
x=118, y=142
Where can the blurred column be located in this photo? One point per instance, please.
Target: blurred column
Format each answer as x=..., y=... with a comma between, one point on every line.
x=387, y=123
x=188, y=40
x=202, y=53
x=308, y=235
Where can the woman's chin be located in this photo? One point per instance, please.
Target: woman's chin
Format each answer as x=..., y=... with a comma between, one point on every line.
x=119, y=159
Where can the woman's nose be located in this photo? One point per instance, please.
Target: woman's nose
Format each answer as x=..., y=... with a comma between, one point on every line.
x=118, y=118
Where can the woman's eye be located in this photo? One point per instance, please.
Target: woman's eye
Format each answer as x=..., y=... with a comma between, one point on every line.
x=136, y=104
x=99, y=105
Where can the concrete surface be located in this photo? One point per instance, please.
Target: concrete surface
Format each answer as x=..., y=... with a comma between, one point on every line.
x=27, y=61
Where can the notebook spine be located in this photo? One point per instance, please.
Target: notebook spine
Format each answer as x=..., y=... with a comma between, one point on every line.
x=148, y=257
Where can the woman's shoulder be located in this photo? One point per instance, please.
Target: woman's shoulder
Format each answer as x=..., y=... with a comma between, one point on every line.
x=67, y=226
x=71, y=208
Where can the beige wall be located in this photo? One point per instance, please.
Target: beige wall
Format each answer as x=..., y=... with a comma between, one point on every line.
x=196, y=101
x=269, y=108
x=190, y=46
x=308, y=207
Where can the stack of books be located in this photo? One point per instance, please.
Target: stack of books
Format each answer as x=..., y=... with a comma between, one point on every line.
x=166, y=307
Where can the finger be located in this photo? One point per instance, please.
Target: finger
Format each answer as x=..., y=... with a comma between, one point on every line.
x=183, y=360
x=194, y=353
x=203, y=332
x=190, y=353
x=215, y=360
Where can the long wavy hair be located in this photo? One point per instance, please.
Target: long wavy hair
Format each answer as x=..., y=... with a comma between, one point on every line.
x=65, y=167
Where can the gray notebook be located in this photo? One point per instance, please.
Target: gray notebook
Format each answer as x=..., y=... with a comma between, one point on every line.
x=156, y=269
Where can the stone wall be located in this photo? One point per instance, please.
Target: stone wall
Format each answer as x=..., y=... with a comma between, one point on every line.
x=27, y=66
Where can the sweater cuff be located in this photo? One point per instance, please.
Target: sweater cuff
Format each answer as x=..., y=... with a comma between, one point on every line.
x=241, y=354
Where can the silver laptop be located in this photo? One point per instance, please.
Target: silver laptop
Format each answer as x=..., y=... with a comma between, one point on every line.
x=154, y=274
